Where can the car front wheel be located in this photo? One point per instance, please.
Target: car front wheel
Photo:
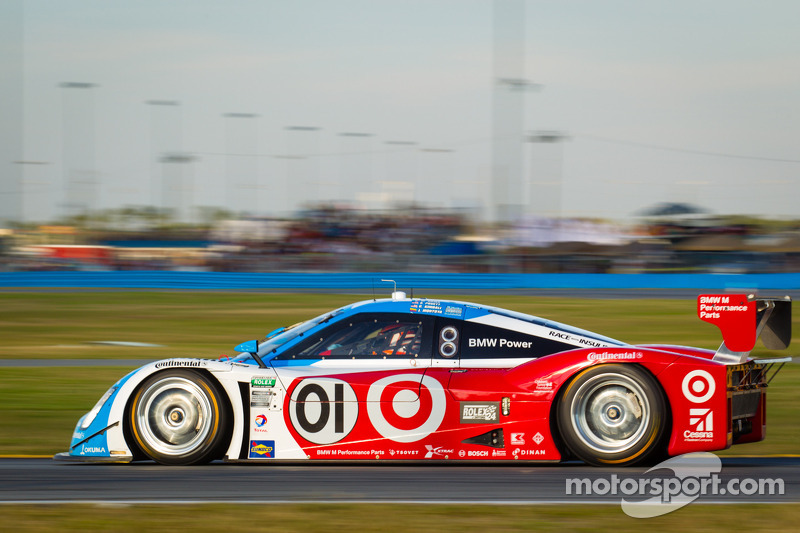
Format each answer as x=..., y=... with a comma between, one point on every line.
x=179, y=417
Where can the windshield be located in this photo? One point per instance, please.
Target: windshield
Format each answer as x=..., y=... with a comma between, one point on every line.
x=288, y=334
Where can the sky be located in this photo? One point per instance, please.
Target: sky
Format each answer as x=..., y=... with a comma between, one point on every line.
x=265, y=106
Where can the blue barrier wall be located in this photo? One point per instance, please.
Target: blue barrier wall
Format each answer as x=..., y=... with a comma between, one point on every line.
x=405, y=281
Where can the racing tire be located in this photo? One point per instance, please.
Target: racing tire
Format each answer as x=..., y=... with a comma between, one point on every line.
x=613, y=415
x=179, y=417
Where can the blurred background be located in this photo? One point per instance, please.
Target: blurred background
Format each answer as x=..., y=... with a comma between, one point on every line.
x=400, y=135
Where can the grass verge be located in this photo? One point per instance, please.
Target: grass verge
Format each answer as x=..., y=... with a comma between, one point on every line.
x=379, y=518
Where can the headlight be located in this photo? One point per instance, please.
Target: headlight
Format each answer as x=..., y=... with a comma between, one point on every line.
x=89, y=418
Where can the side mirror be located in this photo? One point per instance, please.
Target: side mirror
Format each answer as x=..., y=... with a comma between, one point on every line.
x=251, y=347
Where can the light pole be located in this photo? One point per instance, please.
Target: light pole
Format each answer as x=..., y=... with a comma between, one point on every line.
x=355, y=170
x=24, y=191
x=508, y=106
x=546, y=191
x=402, y=171
x=302, y=144
x=172, y=166
x=440, y=174
x=241, y=162
x=12, y=107
x=165, y=138
x=78, y=149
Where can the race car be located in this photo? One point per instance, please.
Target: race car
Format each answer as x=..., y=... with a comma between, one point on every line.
x=415, y=379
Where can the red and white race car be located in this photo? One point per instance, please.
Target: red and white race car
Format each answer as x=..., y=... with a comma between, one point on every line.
x=418, y=379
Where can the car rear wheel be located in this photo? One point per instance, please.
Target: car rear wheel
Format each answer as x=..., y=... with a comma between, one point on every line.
x=612, y=415
x=179, y=417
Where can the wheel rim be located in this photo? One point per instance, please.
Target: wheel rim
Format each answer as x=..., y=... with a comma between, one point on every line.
x=175, y=416
x=610, y=413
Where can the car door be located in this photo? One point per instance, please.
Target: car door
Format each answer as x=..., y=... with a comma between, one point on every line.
x=341, y=375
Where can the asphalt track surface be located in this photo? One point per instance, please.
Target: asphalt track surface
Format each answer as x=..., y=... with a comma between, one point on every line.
x=43, y=480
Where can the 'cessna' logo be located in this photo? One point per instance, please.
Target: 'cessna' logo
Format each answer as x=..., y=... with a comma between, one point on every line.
x=702, y=421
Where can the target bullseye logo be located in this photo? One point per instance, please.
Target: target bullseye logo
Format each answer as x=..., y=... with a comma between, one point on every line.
x=403, y=409
x=698, y=386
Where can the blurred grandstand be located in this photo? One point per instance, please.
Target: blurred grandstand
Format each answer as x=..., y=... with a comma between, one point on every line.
x=666, y=238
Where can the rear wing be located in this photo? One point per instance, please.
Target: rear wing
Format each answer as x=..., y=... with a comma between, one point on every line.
x=743, y=319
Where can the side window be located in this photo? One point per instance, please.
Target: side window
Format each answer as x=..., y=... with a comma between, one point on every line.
x=378, y=337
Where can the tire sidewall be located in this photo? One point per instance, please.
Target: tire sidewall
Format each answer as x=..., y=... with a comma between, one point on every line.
x=646, y=446
x=206, y=451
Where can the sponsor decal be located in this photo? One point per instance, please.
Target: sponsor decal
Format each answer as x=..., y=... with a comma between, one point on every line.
x=734, y=315
x=542, y=385
x=590, y=342
x=93, y=449
x=260, y=423
x=453, y=310
x=182, y=363
x=698, y=386
x=518, y=439
x=323, y=410
x=403, y=452
x=712, y=306
x=78, y=435
x=702, y=421
x=262, y=449
x=480, y=412
x=498, y=453
x=434, y=307
x=261, y=398
x=409, y=414
x=262, y=382
x=575, y=339
x=601, y=356
x=538, y=438
x=440, y=451
x=402, y=408
x=462, y=453
x=531, y=452
x=338, y=452
x=477, y=453
x=498, y=343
